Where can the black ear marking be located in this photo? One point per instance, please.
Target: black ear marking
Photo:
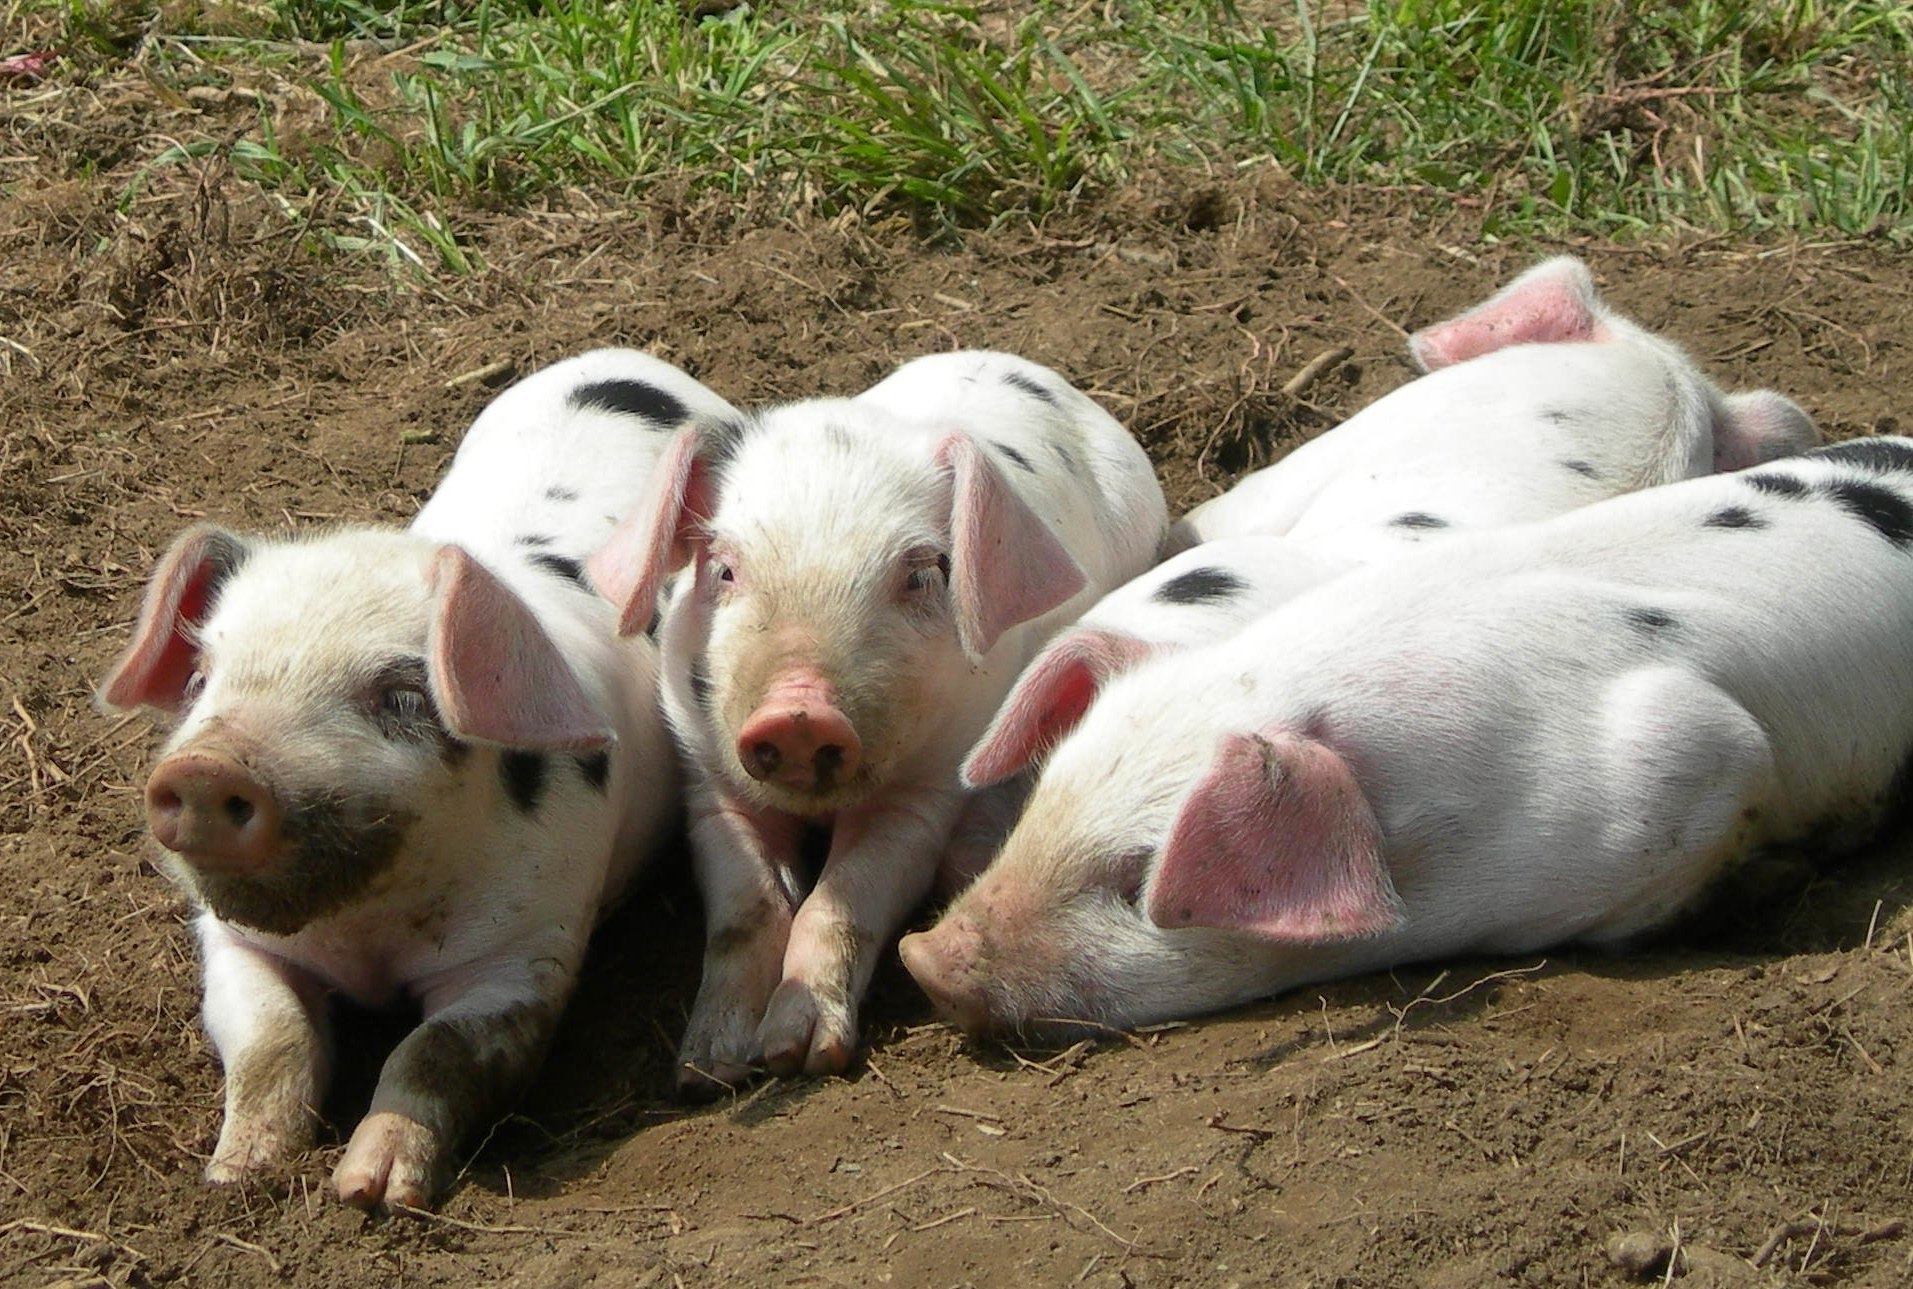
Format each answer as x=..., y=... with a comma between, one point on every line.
x=596, y=769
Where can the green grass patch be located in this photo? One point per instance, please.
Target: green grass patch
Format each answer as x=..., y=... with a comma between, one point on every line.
x=1551, y=116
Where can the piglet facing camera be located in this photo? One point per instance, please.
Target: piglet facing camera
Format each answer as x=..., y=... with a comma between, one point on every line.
x=411, y=765
x=866, y=577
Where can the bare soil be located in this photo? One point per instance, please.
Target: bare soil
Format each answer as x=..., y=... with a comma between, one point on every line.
x=1740, y=1092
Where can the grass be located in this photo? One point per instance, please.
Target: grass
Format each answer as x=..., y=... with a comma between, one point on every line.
x=1550, y=116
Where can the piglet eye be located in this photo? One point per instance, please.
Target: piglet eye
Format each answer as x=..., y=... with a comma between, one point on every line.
x=923, y=577
x=725, y=573
x=402, y=703
x=195, y=685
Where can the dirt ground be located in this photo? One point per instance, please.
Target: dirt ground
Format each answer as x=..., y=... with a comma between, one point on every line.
x=1741, y=1092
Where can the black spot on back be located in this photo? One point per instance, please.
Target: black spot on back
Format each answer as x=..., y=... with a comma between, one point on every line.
x=1582, y=468
x=1734, y=517
x=1064, y=455
x=1035, y=389
x=523, y=776
x=1022, y=461
x=532, y=539
x=1557, y=415
x=630, y=398
x=596, y=768
x=1777, y=485
x=1416, y=519
x=1200, y=586
x=560, y=494
x=562, y=566
x=1882, y=509
x=1869, y=453
x=700, y=684
x=1652, y=622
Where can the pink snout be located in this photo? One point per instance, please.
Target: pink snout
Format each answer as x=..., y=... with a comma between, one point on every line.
x=212, y=812
x=798, y=739
x=943, y=961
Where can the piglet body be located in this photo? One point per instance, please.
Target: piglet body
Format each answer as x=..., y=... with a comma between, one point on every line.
x=1539, y=400
x=866, y=578
x=1556, y=733
x=412, y=765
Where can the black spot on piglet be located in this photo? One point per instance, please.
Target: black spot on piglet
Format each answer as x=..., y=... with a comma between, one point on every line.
x=1200, y=586
x=523, y=777
x=1582, y=468
x=1870, y=453
x=1882, y=509
x=1416, y=519
x=1035, y=389
x=1734, y=517
x=629, y=398
x=562, y=566
x=1777, y=485
x=596, y=768
x=555, y=493
x=1651, y=622
x=1022, y=461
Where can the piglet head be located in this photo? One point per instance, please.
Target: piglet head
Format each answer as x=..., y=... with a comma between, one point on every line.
x=849, y=573
x=329, y=694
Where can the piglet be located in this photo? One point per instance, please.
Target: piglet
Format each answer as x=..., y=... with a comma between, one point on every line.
x=1556, y=733
x=866, y=578
x=412, y=766
x=1537, y=401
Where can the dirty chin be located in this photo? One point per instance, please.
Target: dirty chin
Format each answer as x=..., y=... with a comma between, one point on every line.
x=333, y=853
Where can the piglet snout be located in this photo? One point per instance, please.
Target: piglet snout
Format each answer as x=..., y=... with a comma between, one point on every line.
x=943, y=961
x=799, y=739
x=214, y=813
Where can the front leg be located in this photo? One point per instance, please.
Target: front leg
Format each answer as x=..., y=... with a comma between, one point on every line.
x=485, y=1031
x=883, y=859
x=743, y=859
x=263, y=1016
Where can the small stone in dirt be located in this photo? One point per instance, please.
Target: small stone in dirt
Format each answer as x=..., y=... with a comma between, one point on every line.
x=1640, y=1253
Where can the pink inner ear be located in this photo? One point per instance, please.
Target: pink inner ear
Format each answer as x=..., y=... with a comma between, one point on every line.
x=1276, y=840
x=496, y=676
x=1049, y=701
x=1006, y=565
x=155, y=669
x=1552, y=303
x=1760, y=426
x=654, y=540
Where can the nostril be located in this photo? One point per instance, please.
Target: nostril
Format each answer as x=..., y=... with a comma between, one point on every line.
x=240, y=811
x=765, y=755
x=165, y=800
x=829, y=759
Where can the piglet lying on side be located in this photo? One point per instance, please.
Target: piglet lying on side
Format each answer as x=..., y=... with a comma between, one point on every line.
x=1537, y=401
x=1556, y=733
x=868, y=576
x=412, y=766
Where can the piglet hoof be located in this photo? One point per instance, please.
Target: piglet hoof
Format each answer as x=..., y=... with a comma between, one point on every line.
x=391, y=1160
x=711, y=1080
x=803, y=1031
x=247, y=1150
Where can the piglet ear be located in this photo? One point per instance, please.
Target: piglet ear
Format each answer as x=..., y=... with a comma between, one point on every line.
x=496, y=676
x=653, y=542
x=158, y=664
x=1049, y=700
x=1554, y=302
x=1276, y=840
x=1006, y=567
x=1759, y=426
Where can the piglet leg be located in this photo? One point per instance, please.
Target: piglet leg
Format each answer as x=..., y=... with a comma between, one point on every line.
x=262, y=1015
x=883, y=860
x=485, y=1032
x=743, y=860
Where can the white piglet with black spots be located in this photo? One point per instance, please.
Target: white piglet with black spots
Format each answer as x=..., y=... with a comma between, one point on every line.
x=1538, y=400
x=1562, y=732
x=868, y=575
x=412, y=766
